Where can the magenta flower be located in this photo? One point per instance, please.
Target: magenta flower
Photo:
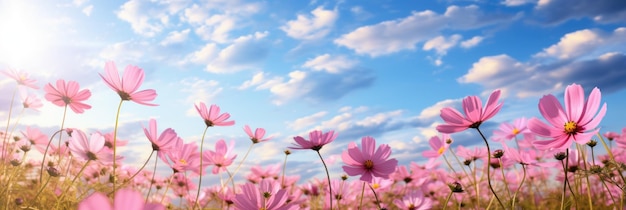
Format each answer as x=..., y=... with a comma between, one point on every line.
x=68, y=94
x=127, y=86
x=475, y=114
x=212, y=116
x=610, y=135
x=161, y=143
x=438, y=145
x=508, y=131
x=317, y=140
x=21, y=78
x=368, y=161
x=125, y=199
x=89, y=148
x=576, y=123
x=185, y=158
x=268, y=196
x=222, y=157
x=257, y=136
x=414, y=200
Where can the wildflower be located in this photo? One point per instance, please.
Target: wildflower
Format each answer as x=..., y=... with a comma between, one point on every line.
x=257, y=136
x=317, y=140
x=610, y=135
x=367, y=162
x=475, y=114
x=508, y=131
x=21, y=78
x=185, y=158
x=68, y=94
x=36, y=138
x=126, y=199
x=438, y=145
x=162, y=143
x=414, y=200
x=89, y=149
x=212, y=116
x=576, y=123
x=127, y=86
x=222, y=157
x=268, y=196
x=30, y=100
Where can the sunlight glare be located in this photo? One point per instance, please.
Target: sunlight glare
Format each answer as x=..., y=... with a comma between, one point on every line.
x=21, y=36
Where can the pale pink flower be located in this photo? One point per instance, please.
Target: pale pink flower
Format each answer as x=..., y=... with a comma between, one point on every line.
x=36, y=138
x=508, y=131
x=185, y=158
x=222, y=157
x=161, y=143
x=30, y=100
x=212, y=116
x=127, y=86
x=89, y=148
x=257, y=136
x=317, y=139
x=576, y=123
x=124, y=199
x=68, y=94
x=268, y=196
x=414, y=200
x=368, y=161
x=438, y=145
x=610, y=135
x=21, y=77
x=475, y=114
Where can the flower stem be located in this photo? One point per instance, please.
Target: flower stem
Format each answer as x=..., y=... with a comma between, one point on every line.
x=519, y=187
x=375, y=196
x=138, y=171
x=488, y=173
x=445, y=204
x=330, y=189
x=152, y=179
x=43, y=160
x=237, y=169
x=195, y=204
x=362, y=195
x=6, y=135
x=117, y=120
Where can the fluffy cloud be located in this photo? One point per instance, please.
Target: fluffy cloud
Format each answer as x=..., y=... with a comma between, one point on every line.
x=441, y=44
x=330, y=64
x=592, y=58
x=513, y=3
x=558, y=11
x=246, y=52
x=144, y=18
x=403, y=34
x=199, y=90
x=472, y=42
x=306, y=121
x=260, y=81
x=175, y=37
x=215, y=20
x=311, y=27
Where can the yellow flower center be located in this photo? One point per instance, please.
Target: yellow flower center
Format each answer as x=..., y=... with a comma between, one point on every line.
x=571, y=128
x=183, y=161
x=515, y=131
x=441, y=150
x=369, y=164
x=375, y=185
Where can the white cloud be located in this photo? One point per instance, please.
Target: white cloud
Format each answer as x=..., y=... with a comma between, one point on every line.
x=123, y=52
x=513, y=3
x=175, y=37
x=138, y=14
x=306, y=121
x=583, y=42
x=432, y=112
x=442, y=44
x=403, y=34
x=311, y=27
x=215, y=20
x=87, y=10
x=199, y=90
x=472, y=42
x=245, y=53
x=331, y=64
x=261, y=81
x=204, y=55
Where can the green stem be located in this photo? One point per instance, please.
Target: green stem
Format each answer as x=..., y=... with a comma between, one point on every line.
x=152, y=179
x=138, y=171
x=519, y=186
x=43, y=160
x=195, y=204
x=488, y=173
x=445, y=204
x=376, y=196
x=362, y=195
x=237, y=169
x=117, y=120
x=330, y=188
x=6, y=130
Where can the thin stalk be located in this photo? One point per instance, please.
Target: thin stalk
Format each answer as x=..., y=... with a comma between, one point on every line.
x=195, y=204
x=282, y=180
x=519, y=186
x=619, y=170
x=139, y=171
x=6, y=130
x=43, y=161
x=565, y=178
x=582, y=152
x=362, y=195
x=152, y=179
x=238, y=166
x=117, y=120
x=330, y=188
x=376, y=196
x=488, y=173
x=445, y=204
x=39, y=192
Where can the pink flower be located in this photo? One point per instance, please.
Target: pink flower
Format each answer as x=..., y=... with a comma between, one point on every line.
x=438, y=145
x=21, y=78
x=475, y=114
x=30, y=100
x=317, y=140
x=212, y=116
x=576, y=123
x=508, y=131
x=68, y=94
x=36, y=138
x=257, y=136
x=414, y=200
x=89, y=149
x=162, y=143
x=127, y=86
x=125, y=199
x=367, y=162
x=268, y=196
x=185, y=158
x=610, y=135
x=222, y=157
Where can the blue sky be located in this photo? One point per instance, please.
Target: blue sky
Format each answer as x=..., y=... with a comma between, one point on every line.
x=361, y=68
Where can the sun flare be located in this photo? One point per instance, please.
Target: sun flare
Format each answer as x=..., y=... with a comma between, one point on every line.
x=22, y=37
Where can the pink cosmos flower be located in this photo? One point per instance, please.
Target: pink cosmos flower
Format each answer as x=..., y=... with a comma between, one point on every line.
x=438, y=145
x=508, y=131
x=36, y=138
x=222, y=157
x=268, y=196
x=317, y=140
x=414, y=200
x=185, y=158
x=162, y=143
x=21, y=78
x=576, y=123
x=620, y=140
x=127, y=86
x=30, y=100
x=68, y=94
x=475, y=114
x=469, y=154
x=89, y=148
x=610, y=135
x=125, y=199
x=257, y=136
x=368, y=161
x=212, y=116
